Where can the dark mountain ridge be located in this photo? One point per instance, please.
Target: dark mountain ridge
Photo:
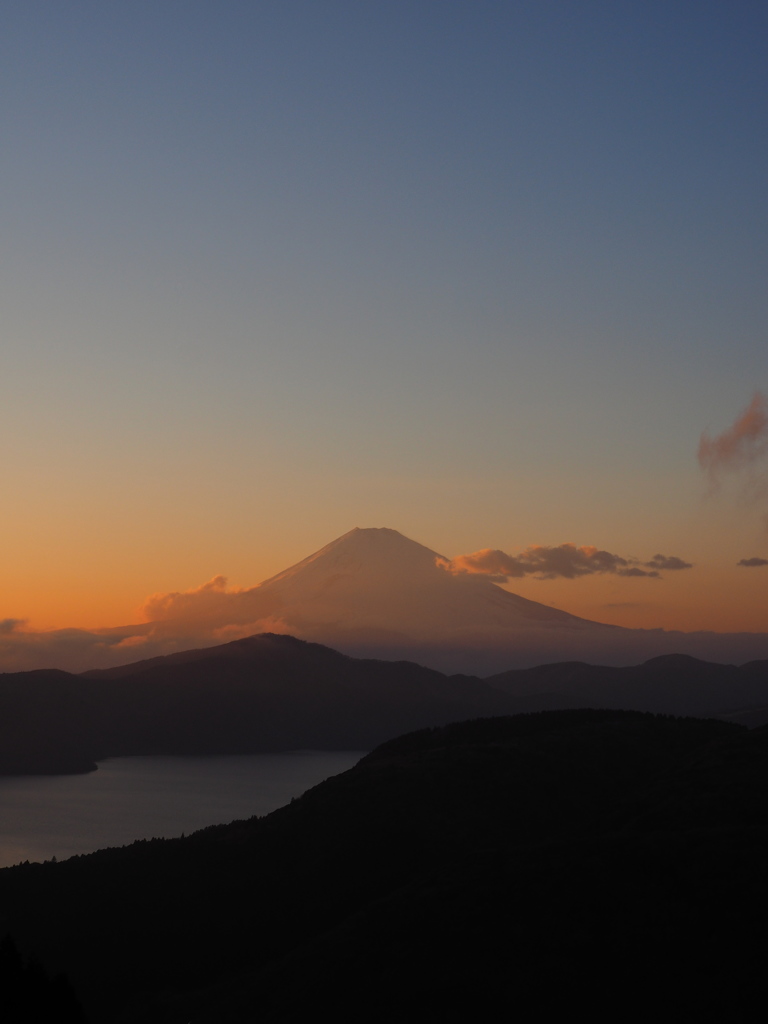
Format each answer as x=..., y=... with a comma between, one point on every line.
x=264, y=693
x=273, y=692
x=670, y=684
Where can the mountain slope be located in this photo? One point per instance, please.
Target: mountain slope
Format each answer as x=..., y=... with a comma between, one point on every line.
x=379, y=579
x=375, y=593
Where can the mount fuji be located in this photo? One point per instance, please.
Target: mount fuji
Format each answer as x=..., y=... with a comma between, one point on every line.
x=375, y=593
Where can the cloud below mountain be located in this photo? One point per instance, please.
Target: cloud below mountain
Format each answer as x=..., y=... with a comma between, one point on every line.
x=212, y=604
x=179, y=620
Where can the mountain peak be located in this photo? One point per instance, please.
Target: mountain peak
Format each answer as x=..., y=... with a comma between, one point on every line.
x=371, y=538
x=371, y=551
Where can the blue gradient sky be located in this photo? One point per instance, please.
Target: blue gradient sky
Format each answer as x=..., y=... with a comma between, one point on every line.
x=481, y=272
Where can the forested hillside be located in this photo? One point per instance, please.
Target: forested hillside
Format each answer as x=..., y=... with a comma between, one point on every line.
x=601, y=859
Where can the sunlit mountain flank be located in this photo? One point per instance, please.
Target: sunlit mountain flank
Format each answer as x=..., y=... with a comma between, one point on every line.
x=377, y=592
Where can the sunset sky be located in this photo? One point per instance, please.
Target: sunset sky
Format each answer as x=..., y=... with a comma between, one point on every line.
x=483, y=272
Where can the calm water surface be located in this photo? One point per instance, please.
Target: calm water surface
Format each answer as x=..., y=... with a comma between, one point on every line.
x=42, y=816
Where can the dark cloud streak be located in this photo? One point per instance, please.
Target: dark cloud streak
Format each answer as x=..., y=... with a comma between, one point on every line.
x=669, y=563
x=11, y=625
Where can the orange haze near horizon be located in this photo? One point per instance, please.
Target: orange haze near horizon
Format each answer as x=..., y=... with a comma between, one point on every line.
x=722, y=597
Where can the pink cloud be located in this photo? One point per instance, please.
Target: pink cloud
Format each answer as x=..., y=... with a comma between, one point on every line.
x=742, y=444
x=566, y=561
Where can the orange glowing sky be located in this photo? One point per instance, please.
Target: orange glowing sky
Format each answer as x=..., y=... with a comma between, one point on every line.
x=491, y=276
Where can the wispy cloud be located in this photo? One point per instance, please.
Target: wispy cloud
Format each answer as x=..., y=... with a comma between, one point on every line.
x=752, y=563
x=743, y=444
x=566, y=561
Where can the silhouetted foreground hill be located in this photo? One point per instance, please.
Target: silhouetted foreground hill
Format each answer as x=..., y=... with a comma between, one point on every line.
x=274, y=692
x=611, y=863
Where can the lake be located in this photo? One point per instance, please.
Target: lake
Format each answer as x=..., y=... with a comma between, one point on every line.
x=128, y=798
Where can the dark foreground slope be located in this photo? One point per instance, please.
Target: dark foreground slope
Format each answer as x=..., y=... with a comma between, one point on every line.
x=612, y=862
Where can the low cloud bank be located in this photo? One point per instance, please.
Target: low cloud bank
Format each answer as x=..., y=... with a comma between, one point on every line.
x=180, y=620
x=752, y=563
x=212, y=604
x=76, y=650
x=565, y=561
